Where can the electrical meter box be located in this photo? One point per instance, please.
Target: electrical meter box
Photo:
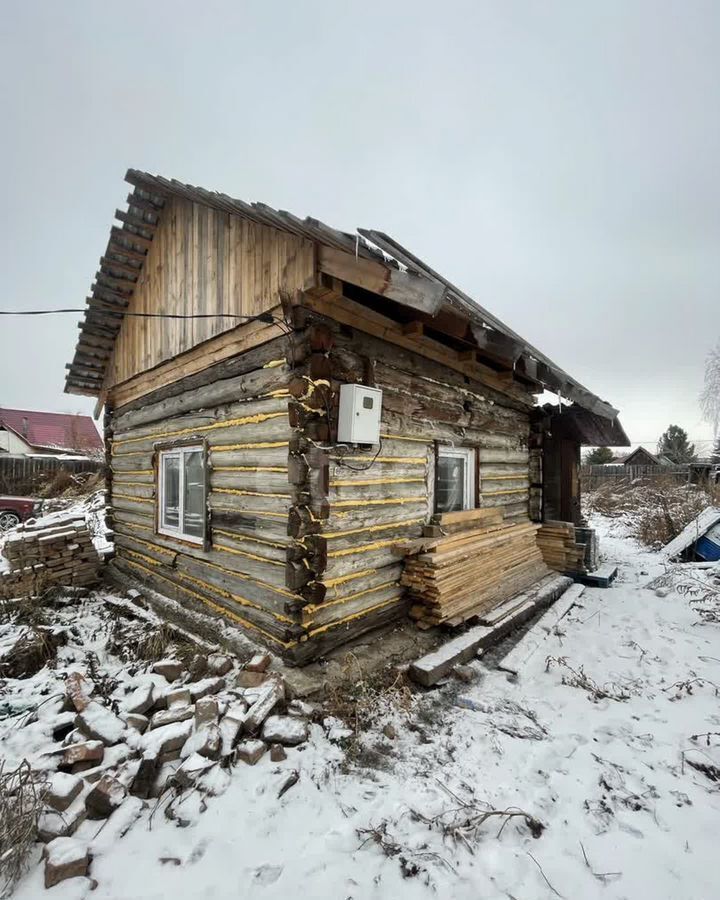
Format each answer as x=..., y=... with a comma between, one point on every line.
x=359, y=415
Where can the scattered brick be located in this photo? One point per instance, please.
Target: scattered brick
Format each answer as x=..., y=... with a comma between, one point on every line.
x=141, y=700
x=86, y=751
x=105, y=797
x=65, y=858
x=218, y=664
x=259, y=663
x=62, y=790
x=277, y=753
x=136, y=721
x=178, y=697
x=78, y=690
x=206, y=710
x=169, y=716
x=285, y=730
x=272, y=693
x=170, y=669
x=100, y=723
x=247, y=679
x=250, y=751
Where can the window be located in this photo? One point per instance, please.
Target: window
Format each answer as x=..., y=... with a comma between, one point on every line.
x=454, y=479
x=181, y=472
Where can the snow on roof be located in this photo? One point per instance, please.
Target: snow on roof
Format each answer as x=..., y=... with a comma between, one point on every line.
x=52, y=431
x=692, y=532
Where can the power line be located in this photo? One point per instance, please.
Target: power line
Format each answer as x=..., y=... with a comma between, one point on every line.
x=260, y=317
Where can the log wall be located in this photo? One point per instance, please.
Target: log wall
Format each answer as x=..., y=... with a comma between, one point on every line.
x=240, y=408
x=302, y=532
x=358, y=508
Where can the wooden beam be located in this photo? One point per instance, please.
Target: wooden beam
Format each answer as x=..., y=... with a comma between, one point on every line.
x=349, y=312
x=136, y=221
x=122, y=250
x=116, y=284
x=414, y=328
x=230, y=343
x=105, y=293
x=142, y=203
x=137, y=240
x=410, y=290
x=116, y=266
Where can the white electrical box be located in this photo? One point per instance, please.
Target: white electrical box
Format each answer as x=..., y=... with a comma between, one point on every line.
x=359, y=415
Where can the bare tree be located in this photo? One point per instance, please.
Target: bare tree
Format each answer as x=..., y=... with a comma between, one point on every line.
x=710, y=396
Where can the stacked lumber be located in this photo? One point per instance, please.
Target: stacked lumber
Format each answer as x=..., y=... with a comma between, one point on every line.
x=40, y=553
x=559, y=548
x=467, y=564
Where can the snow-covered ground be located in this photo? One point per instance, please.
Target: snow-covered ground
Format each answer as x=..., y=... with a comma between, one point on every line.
x=608, y=772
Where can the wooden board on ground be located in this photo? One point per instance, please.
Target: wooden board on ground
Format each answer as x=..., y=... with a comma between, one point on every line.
x=429, y=669
x=522, y=652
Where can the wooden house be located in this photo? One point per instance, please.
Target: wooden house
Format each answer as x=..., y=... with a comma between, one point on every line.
x=217, y=336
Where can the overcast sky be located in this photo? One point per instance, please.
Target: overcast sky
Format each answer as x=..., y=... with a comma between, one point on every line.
x=557, y=160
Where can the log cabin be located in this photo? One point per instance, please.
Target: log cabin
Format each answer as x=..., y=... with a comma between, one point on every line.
x=217, y=338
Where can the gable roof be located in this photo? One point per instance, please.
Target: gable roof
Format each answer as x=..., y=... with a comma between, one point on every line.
x=52, y=431
x=424, y=288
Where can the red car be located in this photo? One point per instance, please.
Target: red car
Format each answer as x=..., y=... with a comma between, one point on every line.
x=14, y=510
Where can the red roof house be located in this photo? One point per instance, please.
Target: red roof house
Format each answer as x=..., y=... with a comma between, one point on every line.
x=26, y=432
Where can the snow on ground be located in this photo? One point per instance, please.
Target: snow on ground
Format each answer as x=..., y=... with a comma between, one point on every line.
x=607, y=772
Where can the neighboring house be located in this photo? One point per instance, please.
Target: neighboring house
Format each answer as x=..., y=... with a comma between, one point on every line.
x=704, y=468
x=229, y=485
x=25, y=432
x=641, y=457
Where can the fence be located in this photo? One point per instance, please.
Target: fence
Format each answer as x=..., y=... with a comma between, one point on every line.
x=596, y=476
x=26, y=475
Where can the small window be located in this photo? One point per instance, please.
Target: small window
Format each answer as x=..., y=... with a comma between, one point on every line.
x=454, y=479
x=181, y=491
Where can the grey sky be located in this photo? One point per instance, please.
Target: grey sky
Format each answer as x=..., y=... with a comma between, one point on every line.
x=558, y=160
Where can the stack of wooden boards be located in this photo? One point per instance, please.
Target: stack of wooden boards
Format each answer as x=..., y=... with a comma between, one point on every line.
x=467, y=564
x=559, y=548
x=43, y=553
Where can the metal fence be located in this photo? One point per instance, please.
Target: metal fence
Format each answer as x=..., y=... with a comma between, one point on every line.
x=26, y=475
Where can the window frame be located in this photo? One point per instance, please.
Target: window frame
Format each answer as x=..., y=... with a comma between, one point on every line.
x=180, y=450
x=470, y=487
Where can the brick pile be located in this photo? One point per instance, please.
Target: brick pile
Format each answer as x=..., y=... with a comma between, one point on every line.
x=40, y=554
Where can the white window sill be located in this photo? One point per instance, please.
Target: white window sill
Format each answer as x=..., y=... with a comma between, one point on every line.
x=178, y=535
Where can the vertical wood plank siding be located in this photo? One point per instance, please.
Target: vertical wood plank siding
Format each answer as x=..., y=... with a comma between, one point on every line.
x=204, y=262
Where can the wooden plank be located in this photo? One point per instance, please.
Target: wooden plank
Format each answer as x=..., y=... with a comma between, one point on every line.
x=410, y=290
x=535, y=638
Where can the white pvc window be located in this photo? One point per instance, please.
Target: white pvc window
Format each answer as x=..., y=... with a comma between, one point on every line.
x=454, y=479
x=181, y=473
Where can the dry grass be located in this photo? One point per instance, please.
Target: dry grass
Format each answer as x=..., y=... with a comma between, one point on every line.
x=657, y=509
x=21, y=800
x=164, y=641
x=362, y=699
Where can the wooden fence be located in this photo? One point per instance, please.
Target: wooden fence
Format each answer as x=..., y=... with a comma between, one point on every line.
x=26, y=475
x=596, y=476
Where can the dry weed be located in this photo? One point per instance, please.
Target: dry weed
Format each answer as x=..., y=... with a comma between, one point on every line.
x=362, y=699
x=21, y=800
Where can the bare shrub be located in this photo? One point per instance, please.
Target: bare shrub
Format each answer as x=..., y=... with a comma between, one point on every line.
x=656, y=509
x=21, y=800
x=362, y=699
x=578, y=678
x=33, y=648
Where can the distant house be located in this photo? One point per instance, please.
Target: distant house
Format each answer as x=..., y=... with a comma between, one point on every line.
x=641, y=457
x=25, y=432
x=704, y=468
